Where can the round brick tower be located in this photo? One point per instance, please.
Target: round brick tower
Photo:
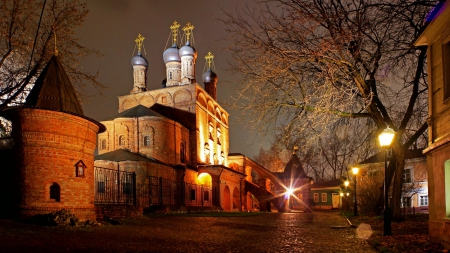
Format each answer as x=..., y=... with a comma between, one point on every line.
x=54, y=149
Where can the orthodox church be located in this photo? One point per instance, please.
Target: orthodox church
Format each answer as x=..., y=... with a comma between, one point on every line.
x=179, y=134
x=180, y=130
x=166, y=148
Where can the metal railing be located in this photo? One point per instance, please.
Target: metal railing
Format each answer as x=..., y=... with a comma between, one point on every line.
x=114, y=186
x=166, y=192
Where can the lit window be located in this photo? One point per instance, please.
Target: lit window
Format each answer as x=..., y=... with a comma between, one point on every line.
x=324, y=197
x=423, y=200
x=80, y=169
x=316, y=197
x=147, y=141
x=121, y=140
x=103, y=144
x=407, y=175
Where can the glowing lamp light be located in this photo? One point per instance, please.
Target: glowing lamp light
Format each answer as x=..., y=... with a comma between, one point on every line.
x=342, y=194
x=386, y=137
x=289, y=192
x=355, y=170
x=346, y=183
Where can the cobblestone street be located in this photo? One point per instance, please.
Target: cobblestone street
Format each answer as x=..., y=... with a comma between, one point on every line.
x=266, y=232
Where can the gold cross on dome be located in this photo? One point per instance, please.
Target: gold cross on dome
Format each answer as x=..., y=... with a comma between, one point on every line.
x=139, y=41
x=209, y=58
x=188, y=30
x=174, y=27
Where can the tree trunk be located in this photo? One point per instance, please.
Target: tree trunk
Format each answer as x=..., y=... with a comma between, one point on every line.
x=398, y=166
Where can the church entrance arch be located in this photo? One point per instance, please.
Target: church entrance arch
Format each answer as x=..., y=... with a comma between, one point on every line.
x=205, y=181
x=226, y=202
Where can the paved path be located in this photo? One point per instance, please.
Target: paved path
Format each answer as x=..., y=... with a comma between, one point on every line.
x=267, y=232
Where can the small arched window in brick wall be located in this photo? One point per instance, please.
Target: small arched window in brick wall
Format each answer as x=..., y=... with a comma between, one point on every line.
x=148, y=136
x=121, y=140
x=103, y=144
x=55, y=192
x=147, y=140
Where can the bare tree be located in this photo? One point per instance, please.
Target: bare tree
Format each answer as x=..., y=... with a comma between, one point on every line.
x=307, y=63
x=30, y=31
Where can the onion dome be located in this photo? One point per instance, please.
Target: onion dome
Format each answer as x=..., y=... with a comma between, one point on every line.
x=139, y=60
x=171, y=54
x=187, y=50
x=209, y=77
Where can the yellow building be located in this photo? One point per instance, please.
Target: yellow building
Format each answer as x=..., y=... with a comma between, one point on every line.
x=436, y=37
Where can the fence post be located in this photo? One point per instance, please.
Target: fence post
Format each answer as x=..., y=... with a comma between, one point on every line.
x=118, y=184
x=133, y=176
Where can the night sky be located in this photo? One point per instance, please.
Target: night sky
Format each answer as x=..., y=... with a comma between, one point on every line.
x=112, y=26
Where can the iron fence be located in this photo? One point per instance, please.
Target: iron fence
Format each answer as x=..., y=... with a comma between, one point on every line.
x=165, y=192
x=114, y=186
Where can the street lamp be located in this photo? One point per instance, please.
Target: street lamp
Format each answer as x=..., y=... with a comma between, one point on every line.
x=385, y=139
x=355, y=172
x=346, y=183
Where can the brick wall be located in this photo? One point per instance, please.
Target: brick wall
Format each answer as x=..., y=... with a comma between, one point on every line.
x=48, y=145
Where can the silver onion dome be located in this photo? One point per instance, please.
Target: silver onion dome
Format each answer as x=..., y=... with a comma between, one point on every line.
x=187, y=50
x=209, y=77
x=139, y=60
x=171, y=54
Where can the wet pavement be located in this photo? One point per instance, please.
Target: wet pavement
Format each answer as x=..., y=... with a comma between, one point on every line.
x=257, y=232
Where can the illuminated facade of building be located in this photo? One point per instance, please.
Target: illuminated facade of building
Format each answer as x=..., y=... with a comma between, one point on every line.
x=181, y=126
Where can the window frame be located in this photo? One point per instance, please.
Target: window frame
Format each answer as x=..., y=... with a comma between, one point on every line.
x=324, y=197
x=422, y=197
x=316, y=197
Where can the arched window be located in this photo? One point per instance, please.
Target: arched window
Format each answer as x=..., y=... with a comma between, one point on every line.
x=121, y=140
x=55, y=192
x=211, y=130
x=147, y=141
x=103, y=144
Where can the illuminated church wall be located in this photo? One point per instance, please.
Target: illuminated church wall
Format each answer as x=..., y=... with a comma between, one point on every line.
x=157, y=137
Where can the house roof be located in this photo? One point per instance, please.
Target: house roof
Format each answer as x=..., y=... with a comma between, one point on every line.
x=120, y=155
x=331, y=183
x=53, y=90
x=136, y=112
x=379, y=157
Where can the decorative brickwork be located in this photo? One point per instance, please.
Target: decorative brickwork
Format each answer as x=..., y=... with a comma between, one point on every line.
x=48, y=146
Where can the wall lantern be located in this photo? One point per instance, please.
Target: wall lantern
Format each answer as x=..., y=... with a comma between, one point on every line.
x=80, y=169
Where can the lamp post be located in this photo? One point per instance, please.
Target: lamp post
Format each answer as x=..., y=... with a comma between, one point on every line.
x=385, y=139
x=355, y=172
x=346, y=183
